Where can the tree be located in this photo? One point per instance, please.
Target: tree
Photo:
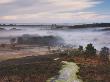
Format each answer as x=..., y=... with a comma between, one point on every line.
x=13, y=40
x=90, y=50
x=104, y=54
x=80, y=48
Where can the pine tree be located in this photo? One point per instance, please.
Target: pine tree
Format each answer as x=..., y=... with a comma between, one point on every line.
x=104, y=54
x=90, y=50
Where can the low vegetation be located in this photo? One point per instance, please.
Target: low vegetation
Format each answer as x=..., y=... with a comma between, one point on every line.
x=94, y=67
x=28, y=69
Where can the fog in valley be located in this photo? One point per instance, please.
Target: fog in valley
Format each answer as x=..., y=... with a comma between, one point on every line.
x=73, y=37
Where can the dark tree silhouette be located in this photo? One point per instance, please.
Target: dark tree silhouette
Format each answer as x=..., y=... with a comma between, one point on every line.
x=13, y=40
x=90, y=50
x=104, y=54
x=80, y=48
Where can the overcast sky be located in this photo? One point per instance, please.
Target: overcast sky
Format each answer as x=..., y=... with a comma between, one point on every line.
x=54, y=11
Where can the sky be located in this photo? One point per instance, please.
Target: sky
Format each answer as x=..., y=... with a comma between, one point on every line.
x=54, y=11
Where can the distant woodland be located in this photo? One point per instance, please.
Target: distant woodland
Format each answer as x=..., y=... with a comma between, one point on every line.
x=61, y=26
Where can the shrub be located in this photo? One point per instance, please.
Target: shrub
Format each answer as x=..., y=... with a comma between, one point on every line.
x=3, y=45
x=70, y=52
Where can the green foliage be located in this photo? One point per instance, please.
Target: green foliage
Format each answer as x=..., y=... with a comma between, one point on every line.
x=90, y=50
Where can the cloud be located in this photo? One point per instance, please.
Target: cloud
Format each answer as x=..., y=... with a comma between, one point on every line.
x=58, y=17
x=9, y=17
x=55, y=5
x=6, y=1
x=49, y=10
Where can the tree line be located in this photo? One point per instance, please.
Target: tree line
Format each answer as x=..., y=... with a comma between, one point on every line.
x=88, y=51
